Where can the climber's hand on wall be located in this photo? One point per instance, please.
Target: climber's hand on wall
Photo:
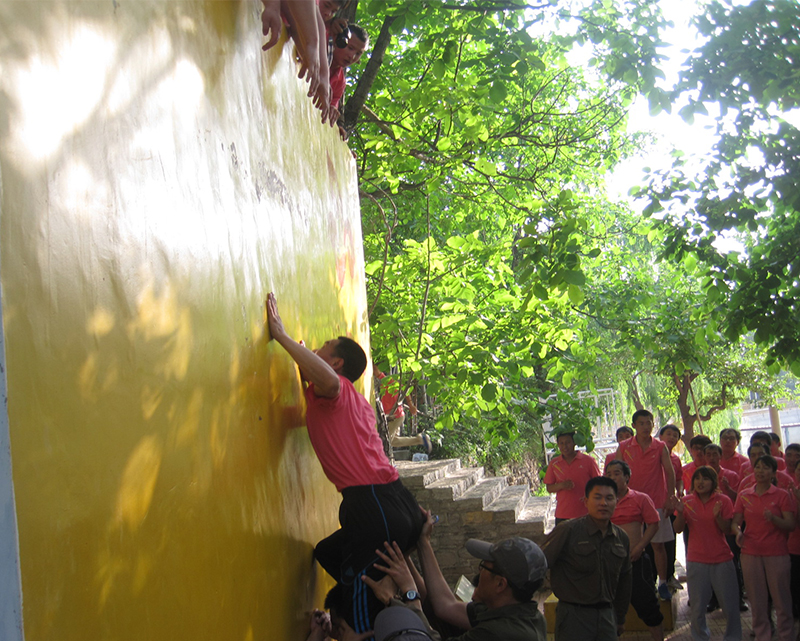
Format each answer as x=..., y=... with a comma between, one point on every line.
x=271, y=22
x=320, y=626
x=274, y=321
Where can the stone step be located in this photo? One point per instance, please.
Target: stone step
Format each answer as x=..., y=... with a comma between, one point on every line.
x=454, y=485
x=481, y=494
x=508, y=506
x=533, y=518
x=416, y=476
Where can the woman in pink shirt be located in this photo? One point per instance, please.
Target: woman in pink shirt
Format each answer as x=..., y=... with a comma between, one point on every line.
x=769, y=514
x=709, y=560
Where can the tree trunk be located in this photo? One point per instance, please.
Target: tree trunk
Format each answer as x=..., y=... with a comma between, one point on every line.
x=688, y=418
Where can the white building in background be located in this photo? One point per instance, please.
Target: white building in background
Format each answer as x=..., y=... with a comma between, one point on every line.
x=757, y=418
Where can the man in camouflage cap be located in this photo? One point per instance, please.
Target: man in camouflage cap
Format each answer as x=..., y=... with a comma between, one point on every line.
x=502, y=606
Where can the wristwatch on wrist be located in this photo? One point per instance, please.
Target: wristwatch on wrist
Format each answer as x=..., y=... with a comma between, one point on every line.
x=411, y=595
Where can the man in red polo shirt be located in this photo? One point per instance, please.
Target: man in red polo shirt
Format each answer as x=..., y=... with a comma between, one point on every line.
x=567, y=476
x=375, y=507
x=653, y=474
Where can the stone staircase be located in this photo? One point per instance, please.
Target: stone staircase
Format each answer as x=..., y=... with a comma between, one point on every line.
x=471, y=505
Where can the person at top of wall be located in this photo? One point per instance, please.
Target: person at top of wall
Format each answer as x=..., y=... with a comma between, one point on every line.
x=349, y=47
x=375, y=507
x=623, y=434
x=653, y=474
x=307, y=29
x=566, y=477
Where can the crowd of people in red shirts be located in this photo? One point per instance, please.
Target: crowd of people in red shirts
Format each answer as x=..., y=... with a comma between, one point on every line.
x=737, y=513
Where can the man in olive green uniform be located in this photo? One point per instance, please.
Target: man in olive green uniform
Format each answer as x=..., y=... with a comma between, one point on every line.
x=590, y=569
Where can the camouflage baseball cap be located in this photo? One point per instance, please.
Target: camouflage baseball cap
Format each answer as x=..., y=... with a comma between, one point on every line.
x=519, y=560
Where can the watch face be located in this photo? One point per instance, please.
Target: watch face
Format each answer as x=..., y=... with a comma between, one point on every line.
x=411, y=595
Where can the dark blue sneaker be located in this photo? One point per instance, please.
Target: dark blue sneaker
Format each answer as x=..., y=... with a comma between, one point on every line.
x=663, y=592
x=426, y=443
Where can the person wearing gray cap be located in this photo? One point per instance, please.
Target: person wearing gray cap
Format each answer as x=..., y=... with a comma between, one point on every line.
x=502, y=606
x=401, y=624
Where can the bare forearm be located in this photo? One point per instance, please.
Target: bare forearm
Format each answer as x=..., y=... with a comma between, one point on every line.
x=312, y=367
x=444, y=602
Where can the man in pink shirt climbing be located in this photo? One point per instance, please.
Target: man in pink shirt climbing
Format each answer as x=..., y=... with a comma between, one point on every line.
x=341, y=427
x=653, y=474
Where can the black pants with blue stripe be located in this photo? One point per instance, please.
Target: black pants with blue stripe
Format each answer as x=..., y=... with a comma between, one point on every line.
x=369, y=515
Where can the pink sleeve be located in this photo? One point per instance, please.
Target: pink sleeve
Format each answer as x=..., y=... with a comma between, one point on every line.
x=727, y=507
x=550, y=475
x=649, y=512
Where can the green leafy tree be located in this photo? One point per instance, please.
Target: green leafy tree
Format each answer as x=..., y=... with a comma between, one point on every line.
x=477, y=144
x=746, y=188
x=659, y=323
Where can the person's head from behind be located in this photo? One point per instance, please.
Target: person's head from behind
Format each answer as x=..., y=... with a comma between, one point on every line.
x=775, y=446
x=712, y=453
x=642, y=421
x=696, y=447
x=670, y=434
x=566, y=443
x=704, y=480
x=762, y=437
x=345, y=356
x=765, y=469
x=729, y=439
x=755, y=452
x=600, y=498
x=619, y=472
x=402, y=624
x=792, y=457
x=338, y=605
x=351, y=53
x=511, y=570
x=624, y=433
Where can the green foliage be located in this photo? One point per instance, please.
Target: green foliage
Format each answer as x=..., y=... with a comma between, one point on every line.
x=478, y=148
x=500, y=279
x=746, y=187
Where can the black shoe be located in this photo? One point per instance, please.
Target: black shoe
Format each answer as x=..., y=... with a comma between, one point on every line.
x=743, y=606
x=713, y=605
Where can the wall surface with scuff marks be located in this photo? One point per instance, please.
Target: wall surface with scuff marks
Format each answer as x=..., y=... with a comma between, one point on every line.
x=160, y=174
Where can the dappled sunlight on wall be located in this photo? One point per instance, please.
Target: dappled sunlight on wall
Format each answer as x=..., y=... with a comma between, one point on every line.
x=160, y=175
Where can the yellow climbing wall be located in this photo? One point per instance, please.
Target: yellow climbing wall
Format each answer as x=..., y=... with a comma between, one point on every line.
x=160, y=175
